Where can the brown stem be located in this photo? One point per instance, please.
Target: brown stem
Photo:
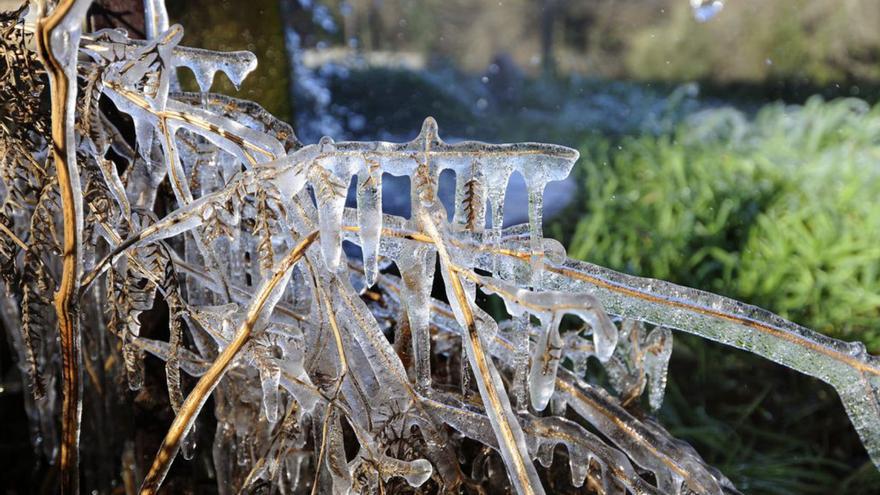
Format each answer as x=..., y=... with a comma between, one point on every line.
x=199, y=395
x=62, y=91
x=522, y=472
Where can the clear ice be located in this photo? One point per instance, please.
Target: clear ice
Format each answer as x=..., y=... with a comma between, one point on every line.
x=307, y=350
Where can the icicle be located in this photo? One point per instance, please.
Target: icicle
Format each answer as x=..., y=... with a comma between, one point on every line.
x=658, y=350
x=369, y=216
x=545, y=362
x=172, y=364
x=470, y=199
x=330, y=191
x=416, y=472
x=293, y=465
x=417, y=271
x=497, y=177
x=236, y=65
x=335, y=457
x=134, y=364
x=626, y=370
x=270, y=376
x=521, y=330
x=536, y=229
x=204, y=77
x=467, y=388
x=143, y=130
x=189, y=443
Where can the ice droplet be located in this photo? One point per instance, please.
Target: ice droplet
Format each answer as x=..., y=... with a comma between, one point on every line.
x=705, y=10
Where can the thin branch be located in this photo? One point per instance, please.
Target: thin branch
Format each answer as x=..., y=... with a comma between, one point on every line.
x=522, y=472
x=200, y=393
x=5, y=230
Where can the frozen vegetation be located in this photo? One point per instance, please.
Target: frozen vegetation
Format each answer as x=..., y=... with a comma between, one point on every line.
x=329, y=373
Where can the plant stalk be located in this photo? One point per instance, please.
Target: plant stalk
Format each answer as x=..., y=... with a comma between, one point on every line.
x=63, y=102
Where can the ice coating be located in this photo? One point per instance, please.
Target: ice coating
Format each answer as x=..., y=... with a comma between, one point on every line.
x=417, y=272
x=659, y=344
x=547, y=304
x=847, y=367
x=520, y=337
x=647, y=445
x=478, y=324
x=270, y=376
x=545, y=362
x=57, y=39
x=641, y=359
x=307, y=355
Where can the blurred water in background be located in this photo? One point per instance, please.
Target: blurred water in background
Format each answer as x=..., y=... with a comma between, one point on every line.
x=535, y=70
x=550, y=66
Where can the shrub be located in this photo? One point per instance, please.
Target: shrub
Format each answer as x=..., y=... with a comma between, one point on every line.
x=777, y=211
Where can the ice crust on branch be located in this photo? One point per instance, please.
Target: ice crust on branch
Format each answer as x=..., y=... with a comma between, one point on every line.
x=316, y=354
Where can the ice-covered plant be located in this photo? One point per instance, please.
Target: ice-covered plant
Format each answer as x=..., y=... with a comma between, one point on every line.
x=331, y=372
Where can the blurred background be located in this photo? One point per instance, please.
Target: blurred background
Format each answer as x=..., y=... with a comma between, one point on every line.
x=731, y=146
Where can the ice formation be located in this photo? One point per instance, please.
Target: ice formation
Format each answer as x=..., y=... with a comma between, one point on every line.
x=329, y=374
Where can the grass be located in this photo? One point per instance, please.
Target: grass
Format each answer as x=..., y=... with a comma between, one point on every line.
x=777, y=211
x=769, y=429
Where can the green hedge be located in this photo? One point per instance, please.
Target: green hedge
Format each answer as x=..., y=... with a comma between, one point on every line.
x=779, y=210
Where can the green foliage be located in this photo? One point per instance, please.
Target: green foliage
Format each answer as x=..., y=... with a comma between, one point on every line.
x=657, y=208
x=779, y=211
x=769, y=430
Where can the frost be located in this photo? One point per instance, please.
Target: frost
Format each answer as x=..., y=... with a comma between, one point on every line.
x=334, y=373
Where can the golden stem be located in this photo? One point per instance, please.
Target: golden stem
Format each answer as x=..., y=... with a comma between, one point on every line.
x=61, y=92
x=480, y=362
x=196, y=399
x=14, y=237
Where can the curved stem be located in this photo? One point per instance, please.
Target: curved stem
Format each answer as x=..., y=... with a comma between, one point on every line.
x=61, y=69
